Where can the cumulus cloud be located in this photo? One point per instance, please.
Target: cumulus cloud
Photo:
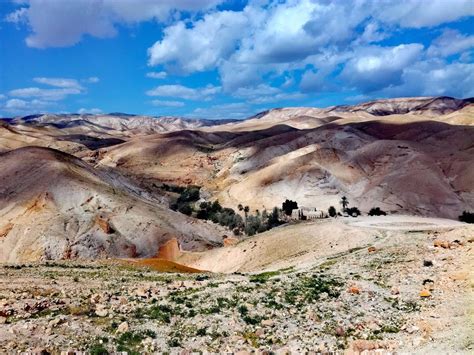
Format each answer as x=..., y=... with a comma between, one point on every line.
x=167, y=103
x=184, y=92
x=45, y=94
x=278, y=37
x=156, y=75
x=92, y=111
x=61, y=88
x=373, y=68
x=63, y=23
x=19, y=106
x=59, y=82
x=202, y=46
x=417, y=13
x=449, y=43
x=91, y=80
x=223, y=111
x=428, y=78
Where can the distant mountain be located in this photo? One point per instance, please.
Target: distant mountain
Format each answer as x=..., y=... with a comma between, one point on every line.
x=117, y=122
x=415, y=105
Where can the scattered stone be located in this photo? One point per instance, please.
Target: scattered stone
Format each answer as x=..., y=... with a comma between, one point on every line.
x=340, y=332
x=123, y=327
x=441, y=244
x=354, y=290
x=361, y=345
x=427, y=263
x=371, y=249
x=267, y=323
x=101, y=311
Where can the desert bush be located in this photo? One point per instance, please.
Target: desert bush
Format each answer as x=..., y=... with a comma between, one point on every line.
x=467, y=217
x=376, y=211
x=353, y=211
x=332, y=211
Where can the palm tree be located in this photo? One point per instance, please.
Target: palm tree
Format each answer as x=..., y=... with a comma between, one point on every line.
x=246, y=211
x=240, y=207
x=344, y=202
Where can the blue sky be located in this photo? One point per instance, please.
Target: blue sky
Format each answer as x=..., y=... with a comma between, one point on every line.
x=228, y=59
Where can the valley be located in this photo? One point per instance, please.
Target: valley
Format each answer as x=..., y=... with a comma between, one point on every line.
x=112, y=239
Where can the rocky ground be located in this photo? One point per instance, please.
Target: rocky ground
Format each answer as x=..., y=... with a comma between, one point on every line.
x=411, y=294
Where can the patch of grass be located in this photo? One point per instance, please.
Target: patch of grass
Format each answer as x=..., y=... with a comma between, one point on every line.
x=263, y=277
x=327, y=264
x=404, y=306
x=201, y=331
x=130, y=341
x=98, y=349
x=252, y=320
x=310, y=289
x=159, y=312
x=252, y=338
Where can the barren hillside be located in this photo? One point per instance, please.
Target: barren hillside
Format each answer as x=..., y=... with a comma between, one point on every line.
x=55, y=206
x=418, y=162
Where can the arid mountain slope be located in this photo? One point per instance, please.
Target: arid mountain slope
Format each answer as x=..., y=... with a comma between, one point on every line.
x=53, y=205
x=117, y=123
x=56, y=205
x=422, y=167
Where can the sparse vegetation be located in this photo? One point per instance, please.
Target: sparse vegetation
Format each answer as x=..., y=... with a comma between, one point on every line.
x=376, y=211
x=353, y=211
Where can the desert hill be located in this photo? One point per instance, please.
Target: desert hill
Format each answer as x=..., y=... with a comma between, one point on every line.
x=56, y=206
x=409, y=163
x=95, y=194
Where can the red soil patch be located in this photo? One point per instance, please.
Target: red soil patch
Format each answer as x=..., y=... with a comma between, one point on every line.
x=169, y=250
x=161, y=265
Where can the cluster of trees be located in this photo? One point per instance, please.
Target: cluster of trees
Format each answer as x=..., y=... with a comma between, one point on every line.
x=351, y=211
x=187, y=197
x=354, y=211
x=261, y=222
x=376, y=211
x=467, y=217
x=224, y=216
x=227, y=217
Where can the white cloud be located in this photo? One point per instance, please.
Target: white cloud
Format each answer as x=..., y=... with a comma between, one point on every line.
x=262, y=94
x=59, y=82
x=433, y=78
x=92, y=111
x=91, y=80
x=418, y=13
x=223, y=111
x=167, y=103
x=2, y=97
x=62, y=87
x=184, y=92
x=17, y=16
x=449, y=43
x=63, y=23
x=373, y=68
x=156, y=75
x=203, y=45
x=18, y=106
x=277, y=37
x=45, y=94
